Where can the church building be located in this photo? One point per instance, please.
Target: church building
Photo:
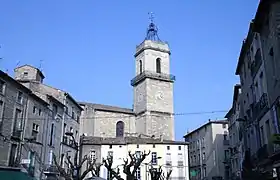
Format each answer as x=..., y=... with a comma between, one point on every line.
x=153, y=112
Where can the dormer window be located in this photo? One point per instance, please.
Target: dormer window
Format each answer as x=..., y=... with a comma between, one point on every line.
x=25, y=73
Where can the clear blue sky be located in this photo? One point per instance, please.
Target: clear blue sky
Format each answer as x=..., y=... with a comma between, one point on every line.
x=87, y=48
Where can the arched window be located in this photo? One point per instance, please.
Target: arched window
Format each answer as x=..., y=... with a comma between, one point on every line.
x=120, y=129
x=158, y=65
x=140, y=66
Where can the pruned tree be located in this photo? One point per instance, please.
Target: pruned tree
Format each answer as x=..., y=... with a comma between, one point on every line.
x=113, y=173
x=157, y=174
x=74, y=170
x=131, y=167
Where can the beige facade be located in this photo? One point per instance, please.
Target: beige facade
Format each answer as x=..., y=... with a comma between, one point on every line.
x=207, y=150
x=152, y=113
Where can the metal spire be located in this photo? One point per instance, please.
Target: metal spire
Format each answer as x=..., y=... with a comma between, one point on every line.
x=152, y=30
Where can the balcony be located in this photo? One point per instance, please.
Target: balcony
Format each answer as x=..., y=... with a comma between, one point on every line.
x=262, y=152
x=152, y=75
x=261, y=107
x=16, y=134
x=226, y=142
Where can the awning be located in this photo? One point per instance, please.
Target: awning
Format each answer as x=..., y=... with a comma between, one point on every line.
x=14, y=175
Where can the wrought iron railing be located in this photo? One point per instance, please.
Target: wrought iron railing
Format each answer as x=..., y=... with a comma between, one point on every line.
x=226, y=142
x=154, y=75
x=260, y=107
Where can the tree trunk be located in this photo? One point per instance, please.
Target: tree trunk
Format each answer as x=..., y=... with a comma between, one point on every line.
x=130, y=177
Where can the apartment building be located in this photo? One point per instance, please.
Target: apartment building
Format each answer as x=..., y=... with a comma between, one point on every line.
x=171, y=155
x=23, y=120
x=235, y=129
x=65, y=113
x=208, y=149
x=257, y=69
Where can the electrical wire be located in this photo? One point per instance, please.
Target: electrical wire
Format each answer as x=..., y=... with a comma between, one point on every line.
x=127, y=116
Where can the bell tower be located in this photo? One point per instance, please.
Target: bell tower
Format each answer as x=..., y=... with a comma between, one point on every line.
x=153, y=86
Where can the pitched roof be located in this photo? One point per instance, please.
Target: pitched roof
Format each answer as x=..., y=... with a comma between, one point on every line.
x=22, y=87
x=40, y=72
x=109, y=108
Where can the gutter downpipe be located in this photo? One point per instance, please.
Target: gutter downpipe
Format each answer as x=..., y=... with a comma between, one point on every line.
x=45, y=139
x=62, y=125
x=21, y=141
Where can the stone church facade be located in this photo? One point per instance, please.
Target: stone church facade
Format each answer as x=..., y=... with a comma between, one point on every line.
x=153, y=113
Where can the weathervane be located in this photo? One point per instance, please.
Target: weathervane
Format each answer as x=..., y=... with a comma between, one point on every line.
x=152, y=29
x=151, y=16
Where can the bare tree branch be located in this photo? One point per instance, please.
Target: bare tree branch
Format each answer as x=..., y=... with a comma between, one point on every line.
x=60, y=169
x=108, y=164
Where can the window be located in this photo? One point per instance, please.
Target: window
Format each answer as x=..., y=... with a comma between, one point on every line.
x=110, y=146
x=262, y=136
x=138, y=174
x=137, y=146
x=138, y=154
x=203, y=156
x=158, y=65
x=19, y=97
x=71, y=130
x=52, y=135
x=12, y=157
x=168, y=159
x=73, y=113
x=34, y=109
x=54, y=110
x=268, y=131
x=1, y=114
x=66, y=108
x=40, y=111
x=35, y=130
x=110, y=154
x=154, y=158
x=78, y=118
x=120, y=129
x=204, y=171
x=154, y=145
x=2, y=87
x=17, y=121
x=179, y=148
x=62, y=160
x=224, y=126
x=25, y=73
x=140, y=67
x=168, y=147
x=225, y=136
x=92, y=155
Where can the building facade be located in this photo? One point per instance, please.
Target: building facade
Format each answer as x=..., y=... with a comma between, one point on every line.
x=152, y=113
x=236, y=141
x=24, y=118
x=257, y=69
x=65, y=113
x=171, y=155
x=208, y=147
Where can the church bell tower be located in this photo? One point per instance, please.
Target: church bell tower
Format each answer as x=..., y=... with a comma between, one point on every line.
x=153, y=87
